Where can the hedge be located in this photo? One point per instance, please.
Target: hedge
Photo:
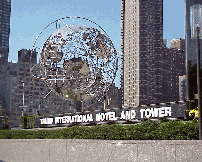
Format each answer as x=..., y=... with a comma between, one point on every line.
x=148, y=130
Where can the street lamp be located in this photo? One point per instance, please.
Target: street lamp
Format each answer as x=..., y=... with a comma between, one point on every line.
x=38, y=112
x=23, y=98
x=105, y=96
x=198, y=80
x=81, y=106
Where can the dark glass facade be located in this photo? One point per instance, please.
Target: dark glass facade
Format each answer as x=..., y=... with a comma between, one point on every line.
x=5, y=10
x=190, y=41
x=150, y=54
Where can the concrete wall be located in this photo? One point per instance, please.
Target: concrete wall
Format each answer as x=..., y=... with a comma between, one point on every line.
x=27, y=150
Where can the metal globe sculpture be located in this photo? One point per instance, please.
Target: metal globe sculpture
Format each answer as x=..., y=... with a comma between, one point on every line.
x=78, y=62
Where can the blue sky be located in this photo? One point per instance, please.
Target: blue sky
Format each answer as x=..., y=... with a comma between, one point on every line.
x=29, y=17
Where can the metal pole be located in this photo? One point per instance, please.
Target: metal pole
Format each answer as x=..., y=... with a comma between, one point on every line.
x=198, y=81
x=23, y=100
x=22, y=114
x=81, y=106
x=39, y=109
x=104, y=102
x=105, y=96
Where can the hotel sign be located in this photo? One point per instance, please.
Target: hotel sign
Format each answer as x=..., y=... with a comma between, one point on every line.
x=110, y=116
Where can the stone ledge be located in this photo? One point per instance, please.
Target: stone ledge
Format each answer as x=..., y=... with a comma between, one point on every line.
x=99, y=150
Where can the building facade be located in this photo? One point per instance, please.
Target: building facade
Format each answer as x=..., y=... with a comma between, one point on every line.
x=173, y=66
x=178, y=44
x=142, y=39
x=5, y=9
x=150, y=71
x=182, y=88
x=36, y=93
x=173, y=69
x=189, y=37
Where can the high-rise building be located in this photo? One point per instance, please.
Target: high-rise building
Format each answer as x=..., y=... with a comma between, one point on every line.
x=36, y=92
x=5, y=9
x=178, y=44
x=142, y=39
x=173, y=66
x=192, y=15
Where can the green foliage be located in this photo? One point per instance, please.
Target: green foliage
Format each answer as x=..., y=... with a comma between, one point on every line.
x=177, y=130
x=27, y=121
x=148, y=130
x=5, y=134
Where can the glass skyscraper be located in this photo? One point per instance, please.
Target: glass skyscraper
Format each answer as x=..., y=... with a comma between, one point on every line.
x=5, y=10
x=192, y=15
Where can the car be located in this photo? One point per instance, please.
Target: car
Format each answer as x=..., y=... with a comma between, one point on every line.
x=4, y=123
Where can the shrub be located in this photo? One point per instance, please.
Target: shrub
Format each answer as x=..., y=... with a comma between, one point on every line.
x=148, y=130
x=27, y=121
x=174, y=130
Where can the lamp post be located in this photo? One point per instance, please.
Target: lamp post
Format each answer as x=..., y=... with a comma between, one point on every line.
x=105, y=96
x=81, y=106
x=198, y=80
x=196, y=25
x=23, y=98
x=38, y=112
